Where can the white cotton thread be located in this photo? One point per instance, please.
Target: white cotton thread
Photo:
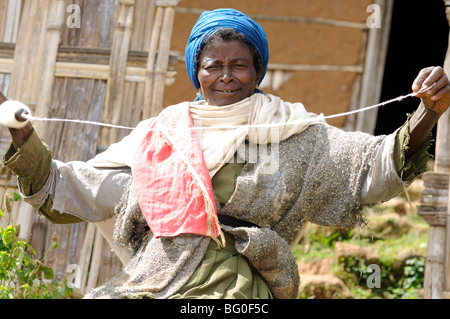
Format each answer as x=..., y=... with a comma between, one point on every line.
x=33, y=118
x=13, y=121
x=397, y=99
x=8, y=110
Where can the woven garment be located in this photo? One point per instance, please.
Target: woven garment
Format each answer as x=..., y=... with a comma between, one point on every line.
x=173, y=166
x=318, y=178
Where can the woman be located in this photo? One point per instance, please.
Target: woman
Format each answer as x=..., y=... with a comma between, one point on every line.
x=242, y=168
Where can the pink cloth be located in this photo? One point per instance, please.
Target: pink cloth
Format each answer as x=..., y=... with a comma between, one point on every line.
x=171, y=180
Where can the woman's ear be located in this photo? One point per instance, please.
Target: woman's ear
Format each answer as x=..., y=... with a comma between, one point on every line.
x=258, y=77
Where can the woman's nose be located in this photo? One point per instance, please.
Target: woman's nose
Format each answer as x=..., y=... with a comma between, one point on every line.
x=227, y=75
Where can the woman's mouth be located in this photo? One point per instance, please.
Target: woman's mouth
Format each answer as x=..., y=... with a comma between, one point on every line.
x=227, y=91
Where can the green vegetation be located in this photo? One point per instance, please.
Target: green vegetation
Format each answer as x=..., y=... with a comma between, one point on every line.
x=395, y=243
x=22, y=274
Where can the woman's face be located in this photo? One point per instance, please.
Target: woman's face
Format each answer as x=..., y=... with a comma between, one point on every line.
x=226, y=72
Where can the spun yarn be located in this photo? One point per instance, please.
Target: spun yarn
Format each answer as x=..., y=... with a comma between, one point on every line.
x=8, y=110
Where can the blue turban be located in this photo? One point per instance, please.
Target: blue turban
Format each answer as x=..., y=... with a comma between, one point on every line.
x=209, y=22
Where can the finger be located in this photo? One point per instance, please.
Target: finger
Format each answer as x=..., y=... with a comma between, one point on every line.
x=429, y=80
x=445, y=91
x=428, y=91
x=433, y=85
x=440, y=84
x=421, y=77
x=433, y=77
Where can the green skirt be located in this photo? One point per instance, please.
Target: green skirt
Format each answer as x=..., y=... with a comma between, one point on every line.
x=224, y=274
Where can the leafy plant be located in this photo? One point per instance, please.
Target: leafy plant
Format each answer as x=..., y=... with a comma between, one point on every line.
x=328, y=239
x=397, y=278
x=358, y=267
x=392, y=286
x=22, y=275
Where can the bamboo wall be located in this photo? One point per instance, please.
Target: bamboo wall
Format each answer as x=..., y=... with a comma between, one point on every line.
x=112, y=68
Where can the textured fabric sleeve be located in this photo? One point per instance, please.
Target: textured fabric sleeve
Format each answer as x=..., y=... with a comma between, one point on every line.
x=64, y=192
x=87, y=192
x=31, y=163
x=408, y=169
x=381, y=181
x=389, y=171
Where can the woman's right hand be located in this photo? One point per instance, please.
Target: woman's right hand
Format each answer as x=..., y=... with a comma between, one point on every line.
x=437, y=98
x=20, y=135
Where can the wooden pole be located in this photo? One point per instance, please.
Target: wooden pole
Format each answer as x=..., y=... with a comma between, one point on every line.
x=12, y=21
x=162, y=60
x=434, y=208
x=26, y=72
x=377, y=43
x=95, y=261
x=85, y=255
x=446, y=293
x=151, y=62
x=118, y=64
x=158, y=57
x=52, y=39
x=442, y=163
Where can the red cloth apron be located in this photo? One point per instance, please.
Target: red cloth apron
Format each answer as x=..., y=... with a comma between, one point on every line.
x=171, y=180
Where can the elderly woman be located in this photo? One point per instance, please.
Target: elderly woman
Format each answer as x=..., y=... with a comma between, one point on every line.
x=207, y=199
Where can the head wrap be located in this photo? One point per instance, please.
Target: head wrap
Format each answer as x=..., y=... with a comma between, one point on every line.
x=209, y=22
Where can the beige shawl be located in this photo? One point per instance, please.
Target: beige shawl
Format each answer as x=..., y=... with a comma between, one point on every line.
x=259, y=119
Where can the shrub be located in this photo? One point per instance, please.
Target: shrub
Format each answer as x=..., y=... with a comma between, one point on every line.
x=405, y=286
x=22, y=275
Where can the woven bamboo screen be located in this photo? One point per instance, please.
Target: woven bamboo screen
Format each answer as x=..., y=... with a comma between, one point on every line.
x=96, y=60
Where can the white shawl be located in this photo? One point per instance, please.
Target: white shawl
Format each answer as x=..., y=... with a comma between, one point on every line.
x=259, y=119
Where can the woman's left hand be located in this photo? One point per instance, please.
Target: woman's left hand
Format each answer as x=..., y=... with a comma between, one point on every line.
x=437, y=98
